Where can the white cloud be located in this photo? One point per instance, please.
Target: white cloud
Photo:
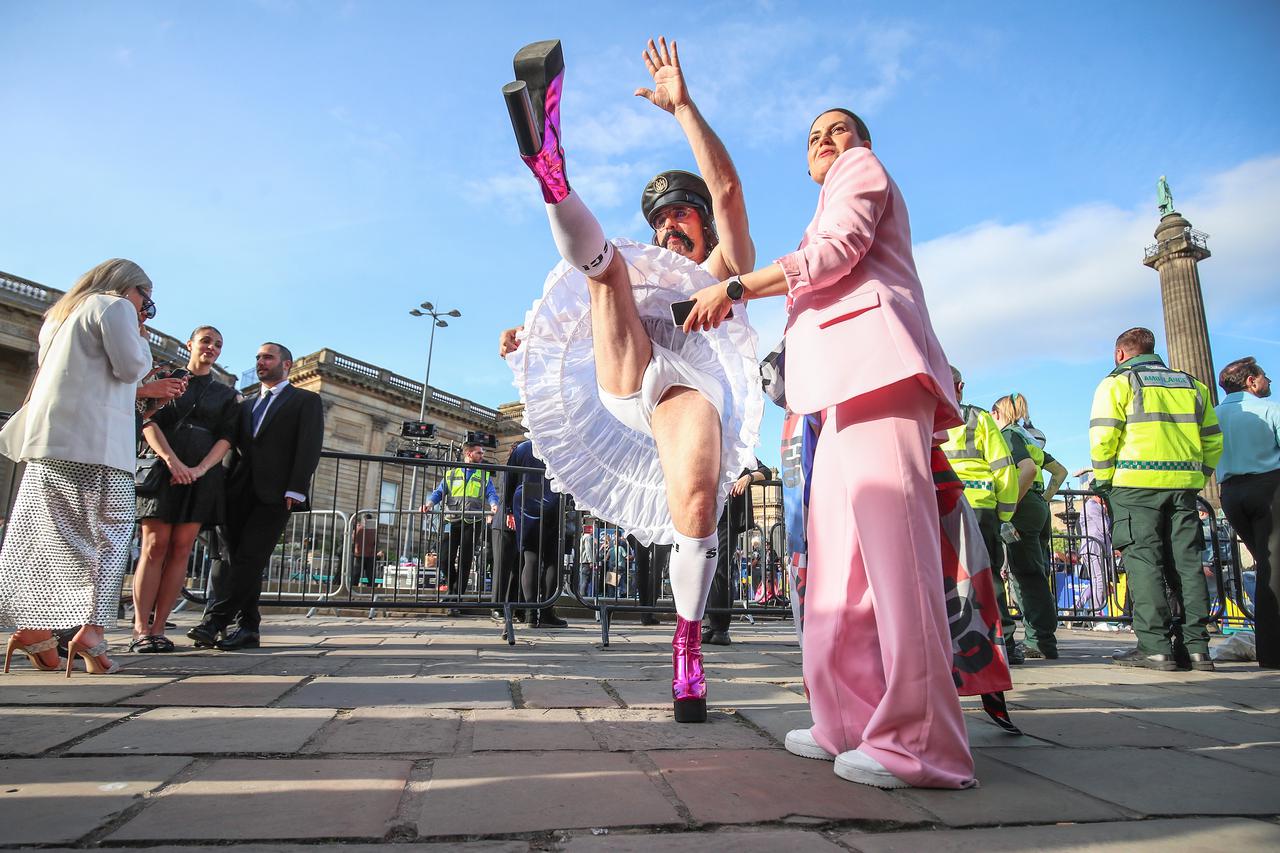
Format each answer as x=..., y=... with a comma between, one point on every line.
x=1063, y=288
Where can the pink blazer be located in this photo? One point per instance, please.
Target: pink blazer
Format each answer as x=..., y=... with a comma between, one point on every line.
x=857, y=320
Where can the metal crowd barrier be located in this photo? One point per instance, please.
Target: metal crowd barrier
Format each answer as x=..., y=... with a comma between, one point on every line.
x=316, y=564
x=1078, y=555
x=588, y=563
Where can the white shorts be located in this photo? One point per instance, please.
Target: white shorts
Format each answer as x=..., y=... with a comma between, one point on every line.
x=666, y=370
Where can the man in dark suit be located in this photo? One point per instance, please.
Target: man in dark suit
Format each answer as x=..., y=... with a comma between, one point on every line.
x=277, y=449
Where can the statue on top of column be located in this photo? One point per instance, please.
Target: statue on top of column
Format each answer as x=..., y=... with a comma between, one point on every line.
x=1164, y=197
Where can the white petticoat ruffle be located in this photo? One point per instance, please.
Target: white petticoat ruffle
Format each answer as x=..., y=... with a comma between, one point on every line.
x=611, y=470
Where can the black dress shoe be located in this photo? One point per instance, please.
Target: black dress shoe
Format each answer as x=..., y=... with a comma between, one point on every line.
x=1015, y=653
x=717, y=638
x=1135, y=657
x=239, y=639
x=204, y=635
x=549, y=619
x=1200, y=661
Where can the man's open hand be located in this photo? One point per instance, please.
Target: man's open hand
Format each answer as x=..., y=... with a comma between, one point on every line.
x=668, y=92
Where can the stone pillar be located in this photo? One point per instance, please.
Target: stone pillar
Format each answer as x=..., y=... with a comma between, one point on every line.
x=1176, y=256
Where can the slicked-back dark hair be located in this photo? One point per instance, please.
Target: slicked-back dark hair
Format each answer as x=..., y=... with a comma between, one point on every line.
x=285, y=354
x=1137, y=339
x=858, y=124
x=1235, y=374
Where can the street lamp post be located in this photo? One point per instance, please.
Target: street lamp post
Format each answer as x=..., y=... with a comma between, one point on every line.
x=426, y=309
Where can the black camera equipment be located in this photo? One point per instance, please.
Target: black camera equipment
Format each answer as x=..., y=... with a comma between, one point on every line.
x=483, y=439
x=418, y=429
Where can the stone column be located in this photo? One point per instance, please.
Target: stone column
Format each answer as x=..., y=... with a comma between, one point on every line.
x=1176, y=256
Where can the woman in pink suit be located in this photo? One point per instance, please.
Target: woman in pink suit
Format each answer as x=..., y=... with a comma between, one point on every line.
x=861, y=353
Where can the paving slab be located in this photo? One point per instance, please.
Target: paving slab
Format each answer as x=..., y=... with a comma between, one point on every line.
x=1099, y=728
x=1265, y=759
x=52, y=800
x=1140, y=696
x=564, y=693
x=636, y=729
x=276, y=847
x=1149, y=836
x=54, y=688
x=299, y=665
x=202, y=731
x=1036, y=698
x=724, y=841
x=530, y=729
x=1233, y=727
x=373, y=668
x=983, y=732
x=226, y=691
x=31, y=731
x=486, y=794
x=720, y=694
x=275, y=798
x=190, y=663
x=777, y=721
x=1004, y=792
x=1124, y=776
x=341, y=692
x=403, y=730
x=1257, y=697
x=753, y=786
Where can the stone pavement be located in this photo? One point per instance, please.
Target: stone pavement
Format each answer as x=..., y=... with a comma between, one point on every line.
x=433, y=734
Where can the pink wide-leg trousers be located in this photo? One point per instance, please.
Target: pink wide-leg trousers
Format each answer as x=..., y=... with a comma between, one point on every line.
x=877, y=649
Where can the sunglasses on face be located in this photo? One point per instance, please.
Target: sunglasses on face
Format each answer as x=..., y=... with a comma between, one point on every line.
x=148, y=309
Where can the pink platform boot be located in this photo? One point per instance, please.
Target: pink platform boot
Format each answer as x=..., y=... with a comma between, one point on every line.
x=533, y=100
x=688, y=682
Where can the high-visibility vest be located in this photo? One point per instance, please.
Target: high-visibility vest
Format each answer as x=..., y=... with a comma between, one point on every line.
x=1153, y=427
x=980, y=457
x=464, y=490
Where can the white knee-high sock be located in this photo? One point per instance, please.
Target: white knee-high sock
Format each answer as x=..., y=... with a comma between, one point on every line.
x=578, y=235
x=693, y=565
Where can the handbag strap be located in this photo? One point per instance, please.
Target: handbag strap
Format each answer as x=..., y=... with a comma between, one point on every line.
x=182, y=420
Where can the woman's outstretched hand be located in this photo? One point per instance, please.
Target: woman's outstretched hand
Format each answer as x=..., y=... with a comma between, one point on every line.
x=711, y=306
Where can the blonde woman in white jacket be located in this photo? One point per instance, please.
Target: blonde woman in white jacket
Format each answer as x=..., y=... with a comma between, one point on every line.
x=67, y=544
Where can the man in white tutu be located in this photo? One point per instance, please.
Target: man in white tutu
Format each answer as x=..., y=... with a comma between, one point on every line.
x=698, y=418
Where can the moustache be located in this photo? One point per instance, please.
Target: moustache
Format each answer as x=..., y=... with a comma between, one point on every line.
x=680, y=235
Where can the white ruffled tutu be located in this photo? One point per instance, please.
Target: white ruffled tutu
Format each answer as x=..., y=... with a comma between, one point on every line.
x=611, y=470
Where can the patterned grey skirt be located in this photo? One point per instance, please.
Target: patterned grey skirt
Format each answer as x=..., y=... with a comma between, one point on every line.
x=66, y=546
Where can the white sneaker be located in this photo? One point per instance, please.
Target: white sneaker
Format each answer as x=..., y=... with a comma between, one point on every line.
x=800, y=742
x=859, y=767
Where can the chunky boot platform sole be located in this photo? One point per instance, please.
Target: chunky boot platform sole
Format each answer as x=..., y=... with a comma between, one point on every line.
x=536, y=65
x=690, y=710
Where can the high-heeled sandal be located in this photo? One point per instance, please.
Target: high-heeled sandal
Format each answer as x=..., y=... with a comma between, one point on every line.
x=32, y=651
x=688, y=681
x=91, y=663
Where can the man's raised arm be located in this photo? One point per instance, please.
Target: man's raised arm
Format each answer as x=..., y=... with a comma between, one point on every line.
x=736, y=254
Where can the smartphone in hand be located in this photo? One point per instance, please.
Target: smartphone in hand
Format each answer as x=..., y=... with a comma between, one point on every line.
x=680, y=312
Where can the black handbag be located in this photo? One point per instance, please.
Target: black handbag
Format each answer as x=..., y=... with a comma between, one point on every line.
x=149, y=476
x=151, y=473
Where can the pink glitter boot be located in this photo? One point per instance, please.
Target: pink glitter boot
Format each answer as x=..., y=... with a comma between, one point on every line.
x=533, y=100
x=688, y=682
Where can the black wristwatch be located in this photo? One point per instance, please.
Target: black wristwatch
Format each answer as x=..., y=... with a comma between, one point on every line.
x=733, y=288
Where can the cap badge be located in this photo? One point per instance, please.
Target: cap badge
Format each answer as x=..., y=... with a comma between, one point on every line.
x=659, y=184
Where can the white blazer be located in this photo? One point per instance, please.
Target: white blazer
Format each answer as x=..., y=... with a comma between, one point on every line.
x=82, y=406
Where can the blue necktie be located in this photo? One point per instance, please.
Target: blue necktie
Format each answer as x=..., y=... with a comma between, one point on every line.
x=260, y=409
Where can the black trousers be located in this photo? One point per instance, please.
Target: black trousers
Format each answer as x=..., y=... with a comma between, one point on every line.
x=651, y=565
x=1251, y=503
x=252, y=531
x=719, y=596
x=506, y=577
x=538, y=560
x=459, y=542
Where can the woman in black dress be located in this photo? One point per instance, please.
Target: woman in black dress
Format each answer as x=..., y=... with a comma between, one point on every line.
x=191, y=435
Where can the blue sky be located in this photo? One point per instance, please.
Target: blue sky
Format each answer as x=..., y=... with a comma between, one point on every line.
x=310, y=171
